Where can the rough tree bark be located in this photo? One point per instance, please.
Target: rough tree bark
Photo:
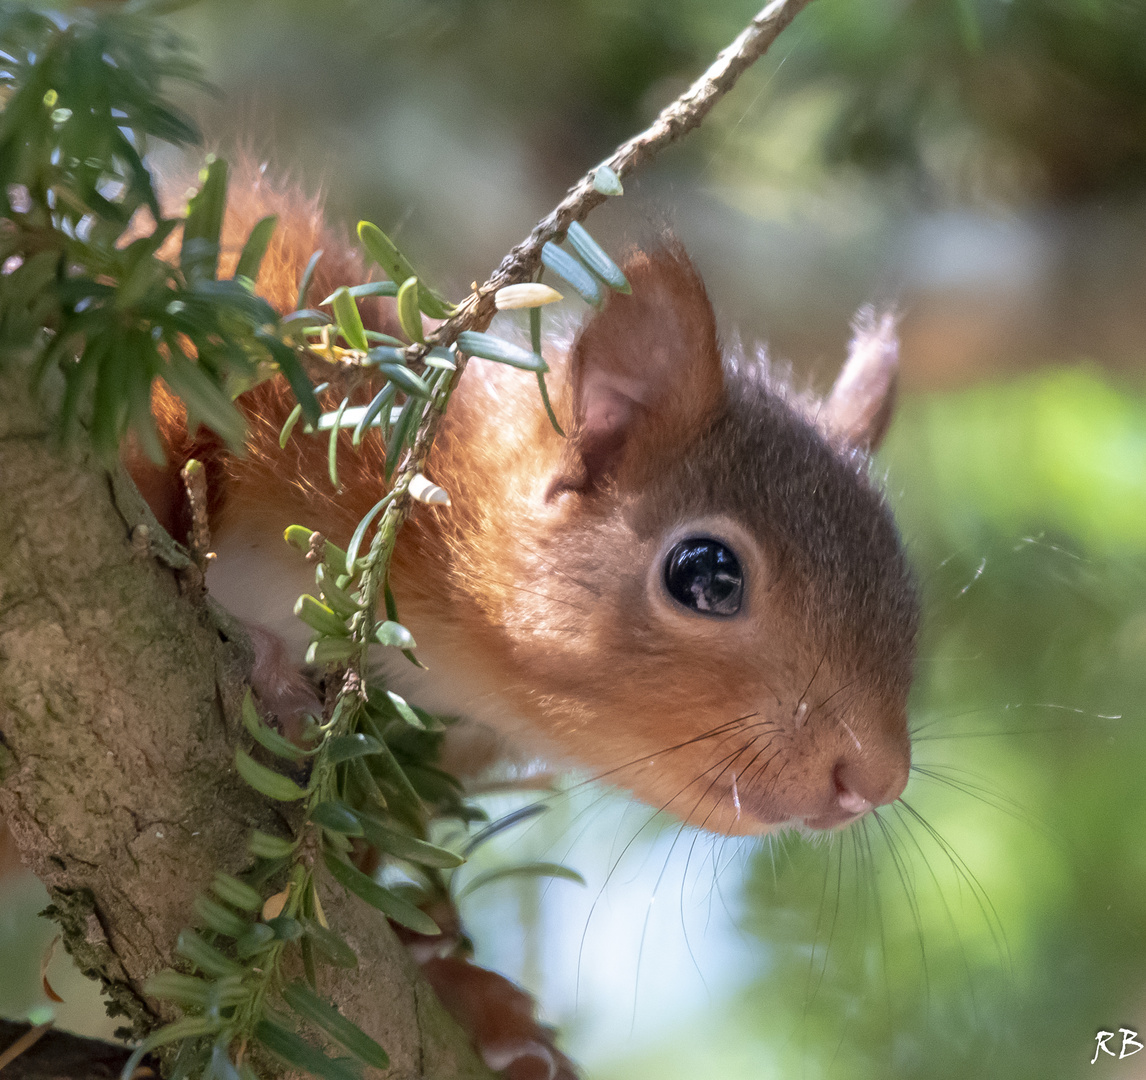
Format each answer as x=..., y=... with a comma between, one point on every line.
x=119, y=694
x=119, y=704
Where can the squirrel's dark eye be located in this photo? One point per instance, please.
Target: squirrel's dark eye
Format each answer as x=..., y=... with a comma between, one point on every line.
x=704, y=575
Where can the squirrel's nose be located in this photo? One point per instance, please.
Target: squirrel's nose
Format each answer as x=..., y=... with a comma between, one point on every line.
x=848, y=799
x=859, y=786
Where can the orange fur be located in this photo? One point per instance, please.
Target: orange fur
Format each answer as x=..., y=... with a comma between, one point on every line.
x=534, y=597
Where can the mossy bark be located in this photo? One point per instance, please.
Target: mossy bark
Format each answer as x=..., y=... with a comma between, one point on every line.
x=119, y=709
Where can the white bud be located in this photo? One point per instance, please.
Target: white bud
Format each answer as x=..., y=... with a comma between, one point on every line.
x=530, y=294
x=426, y=492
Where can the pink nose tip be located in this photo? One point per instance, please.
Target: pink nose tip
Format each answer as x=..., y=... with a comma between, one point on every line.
x=852, y=801
x=845, y=805
x=858, y=789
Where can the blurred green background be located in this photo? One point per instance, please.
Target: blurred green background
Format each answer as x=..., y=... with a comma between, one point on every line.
x=982, y=165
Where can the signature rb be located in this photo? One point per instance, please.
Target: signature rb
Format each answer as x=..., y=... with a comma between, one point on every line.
x=1130, y=1044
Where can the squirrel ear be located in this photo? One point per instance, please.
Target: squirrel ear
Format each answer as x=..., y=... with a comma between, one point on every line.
x=646, y=373
x=858, y=410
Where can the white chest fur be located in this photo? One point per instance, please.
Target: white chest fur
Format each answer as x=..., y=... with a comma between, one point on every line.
x=258, y=578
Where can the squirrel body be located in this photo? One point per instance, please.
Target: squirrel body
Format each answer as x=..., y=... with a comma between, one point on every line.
x=699, y=593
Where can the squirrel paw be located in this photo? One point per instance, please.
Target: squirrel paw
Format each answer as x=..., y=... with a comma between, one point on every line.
x=282, y=690
x=499, y=1019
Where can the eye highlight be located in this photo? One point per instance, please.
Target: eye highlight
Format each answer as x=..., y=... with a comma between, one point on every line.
x=705, y=576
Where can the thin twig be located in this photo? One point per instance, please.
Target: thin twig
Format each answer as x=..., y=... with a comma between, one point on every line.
x=24, y=1042
x=46, y=1053
x=194, y=478
x=675, y=120
x=477, y=310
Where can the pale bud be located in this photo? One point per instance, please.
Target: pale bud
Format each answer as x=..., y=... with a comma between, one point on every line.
x=426, y=492
x=528, y=295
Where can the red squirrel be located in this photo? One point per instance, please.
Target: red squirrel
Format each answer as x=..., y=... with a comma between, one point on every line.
x=700, y=592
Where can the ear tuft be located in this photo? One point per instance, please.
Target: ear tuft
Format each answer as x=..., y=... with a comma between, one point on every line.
x=858, y=410
x=646, y=373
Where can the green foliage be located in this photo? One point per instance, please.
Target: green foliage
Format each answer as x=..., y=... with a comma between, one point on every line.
x=567, y=267
x=526, y=870
x=345, y=338
x=368, y=773
x=371, y=779
x=80, y=102
x=86, y=291
x=494, y=348
x=322, y=1014
x=285, y=1044
x=606, y=181
x=596, y=259
x=383, y=251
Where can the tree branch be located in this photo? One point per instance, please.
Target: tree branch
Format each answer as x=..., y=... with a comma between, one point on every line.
x=119, y=709
x=675, y=120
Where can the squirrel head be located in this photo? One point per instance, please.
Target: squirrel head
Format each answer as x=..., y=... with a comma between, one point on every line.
x=707, y=598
